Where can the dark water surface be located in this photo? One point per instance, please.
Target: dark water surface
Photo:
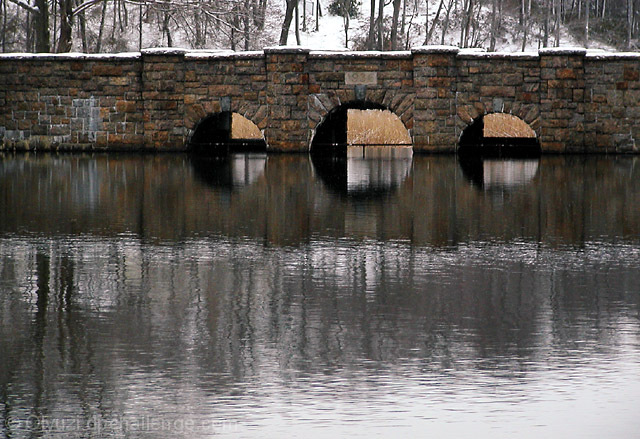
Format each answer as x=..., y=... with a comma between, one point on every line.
x=160, y=296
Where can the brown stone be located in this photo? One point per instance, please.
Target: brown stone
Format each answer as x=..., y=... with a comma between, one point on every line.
x=497, y=91
x=566, y=74
x=631, y=74
x=106, y=70
x=438, y=60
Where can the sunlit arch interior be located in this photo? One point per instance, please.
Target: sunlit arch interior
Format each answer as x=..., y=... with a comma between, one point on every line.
x=504, y=125
x=360, y=124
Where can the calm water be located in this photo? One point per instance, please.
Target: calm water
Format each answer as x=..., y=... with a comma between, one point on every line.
x=156, y=296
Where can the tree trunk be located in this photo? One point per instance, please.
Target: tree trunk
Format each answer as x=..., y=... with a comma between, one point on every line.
x=345, y=21
x=394, y=23
x=304, y=15
x=380, y=24
x=286, y=24
x=494, y=25
x=558, y=13
x=297, y=22
x=372, y=30
x=587, y=12
x=139, y=27
x=435, y=21
x=403, y=29
x=426, y=22
x=545, y=37
x=525, y=26
x=4, y=26
x=104, y=13
x=445, y=24
x=166, y=29
x=83, y=31
x=629, y=22
x=43, y=37
x=66, y=26
x=259, y=10
x=466, y=23
x=247, y=25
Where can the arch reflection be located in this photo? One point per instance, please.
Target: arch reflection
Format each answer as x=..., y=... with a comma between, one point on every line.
x=231, y=171
x=365, y=171
x=499, y=174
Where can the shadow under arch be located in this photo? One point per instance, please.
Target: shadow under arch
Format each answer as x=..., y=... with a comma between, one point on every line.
x=225, y=132
x=499, y=135
x=330, y=136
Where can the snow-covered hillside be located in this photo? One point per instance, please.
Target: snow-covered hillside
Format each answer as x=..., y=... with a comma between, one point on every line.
x=124, y=25
x=331, y=33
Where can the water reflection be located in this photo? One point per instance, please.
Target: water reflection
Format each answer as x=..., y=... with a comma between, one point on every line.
x=427, y=200
x=230, y=171
x=499, y=174
x=332, y=335
x=366, y=171
x=163, y=306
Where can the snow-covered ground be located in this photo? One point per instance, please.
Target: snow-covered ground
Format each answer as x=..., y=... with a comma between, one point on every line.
x=330, y=35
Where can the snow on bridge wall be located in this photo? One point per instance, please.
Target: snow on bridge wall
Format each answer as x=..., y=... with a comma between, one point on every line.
x=575, y=101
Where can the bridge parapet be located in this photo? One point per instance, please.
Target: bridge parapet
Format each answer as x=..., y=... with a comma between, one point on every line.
x=575, y=100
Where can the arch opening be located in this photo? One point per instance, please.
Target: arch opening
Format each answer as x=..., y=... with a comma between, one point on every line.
x=499, y=135
x=359, y=124
x=226, y=132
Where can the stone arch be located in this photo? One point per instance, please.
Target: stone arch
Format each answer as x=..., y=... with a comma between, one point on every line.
x=528, y=113
x=214, y=134
x=323, y=105
x=196, y=113
x=520, y=137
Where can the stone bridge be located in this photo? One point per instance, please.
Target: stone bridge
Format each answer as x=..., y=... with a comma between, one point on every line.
x=575, y=100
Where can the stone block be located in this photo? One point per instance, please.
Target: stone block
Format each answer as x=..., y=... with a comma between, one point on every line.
x=566, y=73
x=106, y=70
x=630, y=74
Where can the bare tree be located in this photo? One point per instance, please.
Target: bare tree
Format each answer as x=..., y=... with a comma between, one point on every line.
x=429, y=31
x=40, y=10
x=466, y=22
x=445, y=24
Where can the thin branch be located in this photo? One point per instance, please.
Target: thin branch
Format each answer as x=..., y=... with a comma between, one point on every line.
x=24, y=5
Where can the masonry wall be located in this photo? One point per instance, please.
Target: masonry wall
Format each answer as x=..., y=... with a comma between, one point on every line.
x=612, y=102
x=65, y=102
x=576, y=101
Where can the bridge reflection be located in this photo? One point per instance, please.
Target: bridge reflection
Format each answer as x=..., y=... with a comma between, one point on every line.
x=287, y=199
